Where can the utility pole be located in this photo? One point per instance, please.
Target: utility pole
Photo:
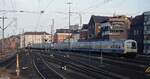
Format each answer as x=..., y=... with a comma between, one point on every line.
x=80, y=21
x=52, y=27
x=17, y=64
x=3, y=29
x=69, y=13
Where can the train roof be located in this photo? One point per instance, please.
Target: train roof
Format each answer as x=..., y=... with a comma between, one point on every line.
x=98, y=40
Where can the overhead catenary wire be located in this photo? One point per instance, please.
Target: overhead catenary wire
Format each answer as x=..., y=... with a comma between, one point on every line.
x=87, y=10
x=50, y=2
x=12, y=4
x=96, y=6
x=39, y=15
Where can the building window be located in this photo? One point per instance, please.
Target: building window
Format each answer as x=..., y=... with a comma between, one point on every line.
x=147, y=37
x=134, y=32
x=148, y=28
x=137, y=32
x=146, y=18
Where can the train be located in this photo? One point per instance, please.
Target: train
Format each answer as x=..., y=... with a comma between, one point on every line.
x=118, y=47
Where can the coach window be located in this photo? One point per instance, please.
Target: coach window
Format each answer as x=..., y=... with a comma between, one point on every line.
x=118, y=46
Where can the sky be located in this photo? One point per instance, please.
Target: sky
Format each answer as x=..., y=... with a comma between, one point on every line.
x=32, y=20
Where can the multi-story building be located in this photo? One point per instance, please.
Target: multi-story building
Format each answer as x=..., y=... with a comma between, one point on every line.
x=146, y=32
x=84, y=32
x=136, y=31
x=94, y=26
x=115, y=28
x=65, y=35
x=74, y=27
x=29, y=38
x=10, y=44
x=61, y=35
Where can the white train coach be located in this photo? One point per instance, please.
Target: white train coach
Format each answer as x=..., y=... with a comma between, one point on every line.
x=122, y=47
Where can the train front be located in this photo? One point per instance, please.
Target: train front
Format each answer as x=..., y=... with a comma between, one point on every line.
x=130, y=47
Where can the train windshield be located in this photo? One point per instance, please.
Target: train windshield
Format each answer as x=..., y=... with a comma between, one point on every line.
x=133, y=45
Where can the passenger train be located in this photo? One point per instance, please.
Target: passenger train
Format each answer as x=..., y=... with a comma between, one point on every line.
x=119, y=47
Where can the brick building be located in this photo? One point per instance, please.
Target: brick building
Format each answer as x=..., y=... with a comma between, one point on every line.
x=94, y=26
x=84, y=32
x=10, y=44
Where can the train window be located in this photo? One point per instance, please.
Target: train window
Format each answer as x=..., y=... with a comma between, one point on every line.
x=118, y=46
x=128, y=45
x=133, y=45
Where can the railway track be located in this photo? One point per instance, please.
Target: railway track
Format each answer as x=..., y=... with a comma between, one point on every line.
x=117, y=67
x=135, y=60
x=44, y=70
x=129, y=61
x=84, y=68
x=8, y=62
x=113, y=65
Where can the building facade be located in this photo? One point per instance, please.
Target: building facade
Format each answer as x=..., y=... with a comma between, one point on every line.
x=136, y=32
x=29, y=38
x=84, y=32
x=64, y=35
x=10, y=44
x=61, y=35
x=74, y=27
x=115, y=28
x=146, y=32
x=94, y=27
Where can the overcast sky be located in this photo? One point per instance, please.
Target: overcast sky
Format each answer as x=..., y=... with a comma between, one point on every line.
x=32, y=20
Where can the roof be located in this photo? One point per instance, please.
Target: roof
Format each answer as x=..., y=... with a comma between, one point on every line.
x=99, y=19
x=138, y=19
x=63, y=30
x=85, y=26
x=147, y=13
x=36, y=33
x=118, y=18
